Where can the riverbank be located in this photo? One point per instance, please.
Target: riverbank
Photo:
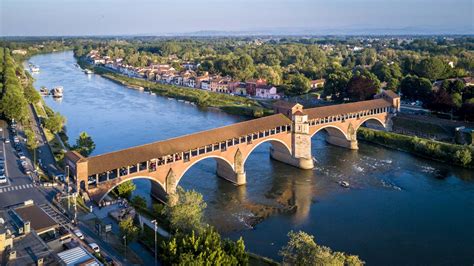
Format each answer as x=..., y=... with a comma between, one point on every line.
x=230, y=104
x=460, y=155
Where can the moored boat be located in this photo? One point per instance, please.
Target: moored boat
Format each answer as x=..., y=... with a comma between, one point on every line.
x=57, y=91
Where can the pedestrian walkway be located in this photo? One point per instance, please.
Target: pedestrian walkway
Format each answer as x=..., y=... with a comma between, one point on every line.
x=15, y=188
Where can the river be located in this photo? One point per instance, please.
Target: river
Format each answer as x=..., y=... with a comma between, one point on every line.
x=400, y=209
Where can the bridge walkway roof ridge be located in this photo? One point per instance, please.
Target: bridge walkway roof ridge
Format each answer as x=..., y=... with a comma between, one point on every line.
x=129, y=156
x=338, y=109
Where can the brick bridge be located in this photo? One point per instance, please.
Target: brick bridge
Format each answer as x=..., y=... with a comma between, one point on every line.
x=289, y=131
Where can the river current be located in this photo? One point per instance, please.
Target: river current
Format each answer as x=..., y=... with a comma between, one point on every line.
x=399, y=209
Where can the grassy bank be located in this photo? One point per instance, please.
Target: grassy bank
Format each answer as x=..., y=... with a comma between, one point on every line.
x=460, y=155
x=225, y=102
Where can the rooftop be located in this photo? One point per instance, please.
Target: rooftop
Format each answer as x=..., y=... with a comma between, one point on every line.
x=321, y=112
x=78, y=256
x=39, y=220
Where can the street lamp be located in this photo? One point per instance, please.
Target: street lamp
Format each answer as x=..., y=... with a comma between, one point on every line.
x=154, y=222
x=125, y=239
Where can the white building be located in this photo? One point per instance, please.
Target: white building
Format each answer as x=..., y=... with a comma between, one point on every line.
x=267, y=92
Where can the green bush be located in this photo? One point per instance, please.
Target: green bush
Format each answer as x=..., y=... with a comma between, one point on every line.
x=445, y=152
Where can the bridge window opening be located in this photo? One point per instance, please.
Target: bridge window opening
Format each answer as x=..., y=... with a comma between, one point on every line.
x=102, y=177
x=242, y=139
x=152, y=167
x=113, y=174
x=169, y=159
x=202, y=150
x=261, y=134
x=288, y=128
x=194, y=153
x=92, y=181
x=255, y=136
x=230, y=143
x=161, y=161
x=186, y=156
x=216, y=146
x=177, y=157
x=208, y=148
x=249, y=139
x=123, y=171
x=142, y=166
x=223, y=146
x=236, y=141
x=133, y=169
x=272, y=132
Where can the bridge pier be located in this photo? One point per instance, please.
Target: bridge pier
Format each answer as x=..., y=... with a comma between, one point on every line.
x=280, y=154
x=157, y=192
x=237, y=176
x=351, y=144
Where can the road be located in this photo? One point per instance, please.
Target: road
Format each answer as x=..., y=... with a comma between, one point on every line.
x=20, y=186
x=44, y=151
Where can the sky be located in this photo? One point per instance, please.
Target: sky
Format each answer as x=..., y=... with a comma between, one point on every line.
x=161, y=17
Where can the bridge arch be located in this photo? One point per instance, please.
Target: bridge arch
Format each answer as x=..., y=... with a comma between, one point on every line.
x=277, y=144
x=221, y=162
x=377, y=121
x=332, y=131
x=153, y=180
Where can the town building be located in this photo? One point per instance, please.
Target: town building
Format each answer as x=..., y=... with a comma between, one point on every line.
x=267, y=92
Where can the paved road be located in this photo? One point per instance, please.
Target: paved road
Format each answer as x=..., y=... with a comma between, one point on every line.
x=18, y=181
x=44, y=151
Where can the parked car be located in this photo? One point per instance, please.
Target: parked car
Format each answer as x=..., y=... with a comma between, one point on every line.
x=3, y=178
x=24, y=163
x=94, y=247
x=7, y=140
x=16, y=139
x=21, y=155
x=79, y=234
x=60, y=177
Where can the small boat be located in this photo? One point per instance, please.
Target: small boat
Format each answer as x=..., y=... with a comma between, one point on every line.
x=170, y=99
x=153, y=93
x=57, y=92
x=44, y=91
x=181, y=101
x=88, y=72
x=35, y=69
x=344, y=184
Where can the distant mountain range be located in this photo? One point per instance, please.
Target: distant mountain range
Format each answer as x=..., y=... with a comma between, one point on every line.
x=335, y=31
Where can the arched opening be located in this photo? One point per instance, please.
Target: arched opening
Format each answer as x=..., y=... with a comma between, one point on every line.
x=373, y=123
x=331, y=131
x=275, y=146
x=145, y=187
x=201, y=176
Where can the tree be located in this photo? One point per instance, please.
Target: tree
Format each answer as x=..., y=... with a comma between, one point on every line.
x=55, y=123
x=463, y=156
x=84, y=144
x=336, y=83
x=414, y=88
x=362, y=86
x=431, y=68
x=271, y=74
x=125, y=189
x=139, y=202
x=30, y=139
x=441, y=101
x=31, y=95
x=128, y=229
x=302, y=250
x=186, y=212
x=299, y=84
x=206, y=248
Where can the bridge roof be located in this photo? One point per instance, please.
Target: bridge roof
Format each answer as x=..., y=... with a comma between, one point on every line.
x=113, y=160
x=339, y=109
